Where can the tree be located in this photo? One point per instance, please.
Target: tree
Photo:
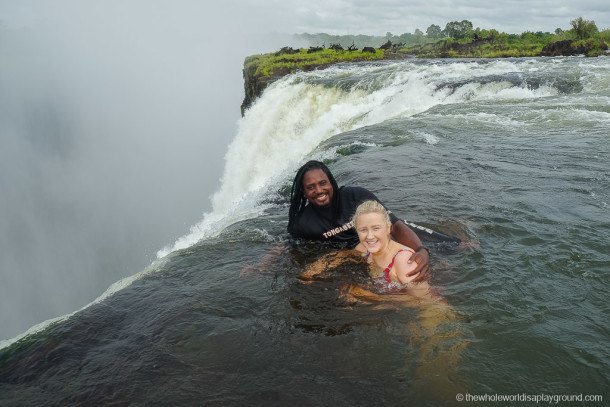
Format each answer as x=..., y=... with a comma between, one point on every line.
x=418, y=32
x=434, y=31
x=491, y=35
x=389, y=35
x=458, y=29
x=583, y=29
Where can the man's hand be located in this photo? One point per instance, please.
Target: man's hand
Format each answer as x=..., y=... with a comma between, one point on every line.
x=422, y=258
x=404, y=235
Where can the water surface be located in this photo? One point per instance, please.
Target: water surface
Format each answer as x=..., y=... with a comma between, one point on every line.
x=510, y=155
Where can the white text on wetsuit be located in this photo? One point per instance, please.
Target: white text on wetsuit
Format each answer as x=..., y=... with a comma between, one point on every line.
x=338, y=230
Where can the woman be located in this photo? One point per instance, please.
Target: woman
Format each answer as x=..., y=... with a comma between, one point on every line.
x=389, y=261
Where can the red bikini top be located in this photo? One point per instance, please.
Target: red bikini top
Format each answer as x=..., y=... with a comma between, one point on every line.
x=386, y=272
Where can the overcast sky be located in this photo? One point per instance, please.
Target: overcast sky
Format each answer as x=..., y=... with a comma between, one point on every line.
x=358, y=16
x=399, y=16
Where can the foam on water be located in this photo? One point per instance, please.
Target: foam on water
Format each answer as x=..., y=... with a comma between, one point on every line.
x=429, y=138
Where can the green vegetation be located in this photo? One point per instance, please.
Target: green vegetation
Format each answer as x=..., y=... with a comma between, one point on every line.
x=461, y=39
x=583, y=38
x=486, y=44
x=281, y=63
x=583, y=29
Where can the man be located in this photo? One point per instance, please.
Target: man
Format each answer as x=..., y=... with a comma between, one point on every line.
x=320, y=210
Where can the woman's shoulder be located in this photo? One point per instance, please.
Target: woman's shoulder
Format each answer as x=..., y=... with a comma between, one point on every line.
x=402, y=265
x=403, y=252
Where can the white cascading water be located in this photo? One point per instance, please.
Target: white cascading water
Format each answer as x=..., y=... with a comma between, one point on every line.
x=292, y=117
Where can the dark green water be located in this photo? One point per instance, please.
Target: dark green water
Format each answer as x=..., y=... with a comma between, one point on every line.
x=512, y=158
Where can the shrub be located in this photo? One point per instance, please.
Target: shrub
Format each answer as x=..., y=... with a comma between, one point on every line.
x=583, y=29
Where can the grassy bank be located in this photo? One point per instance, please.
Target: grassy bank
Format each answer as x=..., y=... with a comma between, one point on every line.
x=481, y=44
x=501, y=45
x=282, y=63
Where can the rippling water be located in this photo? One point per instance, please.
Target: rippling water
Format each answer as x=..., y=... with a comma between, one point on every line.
x=510, y=155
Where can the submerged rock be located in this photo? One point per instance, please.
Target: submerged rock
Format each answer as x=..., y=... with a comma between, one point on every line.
x=562, y=48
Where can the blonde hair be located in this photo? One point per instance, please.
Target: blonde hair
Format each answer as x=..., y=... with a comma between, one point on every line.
x=371, y=207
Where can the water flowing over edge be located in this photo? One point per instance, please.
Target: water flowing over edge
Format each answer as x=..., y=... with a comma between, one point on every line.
x=114, y=288
x=295, y=114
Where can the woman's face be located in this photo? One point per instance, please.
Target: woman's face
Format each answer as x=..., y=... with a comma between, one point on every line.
x=373, y=231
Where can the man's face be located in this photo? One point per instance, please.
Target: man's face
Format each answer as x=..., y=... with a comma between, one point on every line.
x=317, y=187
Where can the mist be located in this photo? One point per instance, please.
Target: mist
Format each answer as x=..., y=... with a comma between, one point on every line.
x=114, y=120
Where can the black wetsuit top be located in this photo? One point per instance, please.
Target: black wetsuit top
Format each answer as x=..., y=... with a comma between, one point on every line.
x=316, y=223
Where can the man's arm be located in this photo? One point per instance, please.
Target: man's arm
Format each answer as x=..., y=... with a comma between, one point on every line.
x=404, y=235
x=329, y=261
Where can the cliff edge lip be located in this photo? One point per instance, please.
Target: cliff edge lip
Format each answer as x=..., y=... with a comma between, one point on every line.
x=262, y=70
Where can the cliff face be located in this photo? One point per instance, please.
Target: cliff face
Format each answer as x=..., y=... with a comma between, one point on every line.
x=254, y=85
x=262, y=70
x=251, y=89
